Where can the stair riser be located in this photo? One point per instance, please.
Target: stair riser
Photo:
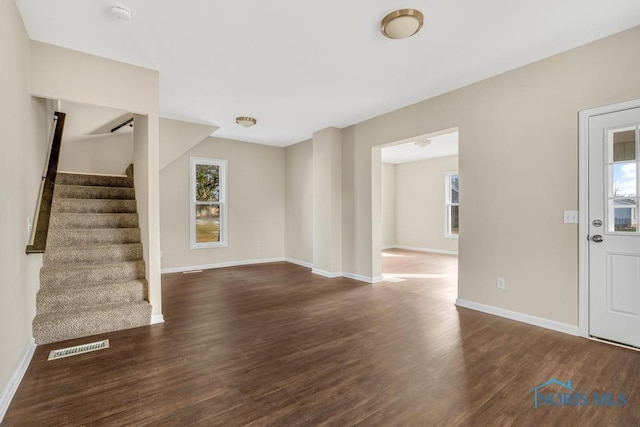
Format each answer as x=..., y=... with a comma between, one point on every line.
x=50, y=277
x=93, y=206
x=92, y=192
x=94, y=180
x=69, y=299
x=92, y=255
x=68, y=220
x=84, y=237
x=51, y=327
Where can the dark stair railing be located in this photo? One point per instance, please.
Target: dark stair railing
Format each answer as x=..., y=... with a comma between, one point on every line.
x=43, y=212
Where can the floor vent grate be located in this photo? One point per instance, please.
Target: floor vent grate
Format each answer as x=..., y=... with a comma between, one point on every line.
x=79, y=349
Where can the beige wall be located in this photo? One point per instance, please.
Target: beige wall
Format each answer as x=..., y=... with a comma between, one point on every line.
x=255, y=205
x=298, y=240
x=24, y=128
x=87, y=144
x=388, y=204
x=420, y=210
x=106, y=154
x=518, y=165
x=67, y=75
x=177, y=137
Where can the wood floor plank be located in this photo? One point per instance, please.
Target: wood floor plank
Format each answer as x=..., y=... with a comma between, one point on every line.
x=273, y=344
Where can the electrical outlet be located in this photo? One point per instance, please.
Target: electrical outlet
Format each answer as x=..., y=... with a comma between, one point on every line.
x=500, y=283
x=258, y=246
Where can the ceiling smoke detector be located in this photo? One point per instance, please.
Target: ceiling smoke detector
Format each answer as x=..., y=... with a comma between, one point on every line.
x=121, y=13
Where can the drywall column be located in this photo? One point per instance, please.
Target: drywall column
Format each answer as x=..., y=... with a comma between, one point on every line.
x=327, y=202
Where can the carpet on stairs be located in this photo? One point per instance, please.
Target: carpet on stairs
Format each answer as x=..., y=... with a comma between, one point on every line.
x=93, y=276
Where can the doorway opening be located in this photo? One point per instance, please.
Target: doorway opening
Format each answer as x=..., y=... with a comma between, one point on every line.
x=420, y=205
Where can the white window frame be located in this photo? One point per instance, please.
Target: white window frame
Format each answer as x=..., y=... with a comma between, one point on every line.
x=222, y=201
x=448, y=204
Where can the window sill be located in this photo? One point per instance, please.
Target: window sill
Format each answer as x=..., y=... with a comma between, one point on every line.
x=208, y=245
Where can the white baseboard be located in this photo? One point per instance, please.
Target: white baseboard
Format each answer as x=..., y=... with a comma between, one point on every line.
x=361, y=278
x=520, y=317
x=429, y=250
x=388, y=247
x=11, y=388
x=221, y=265
x=156, y=318
x=298, y=262
x=325, y=273
x=319, y=272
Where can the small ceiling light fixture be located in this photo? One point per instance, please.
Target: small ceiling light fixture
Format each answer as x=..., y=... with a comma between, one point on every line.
x=422, y=143
x=121, y=13
x=402, y=23
x=246, y=121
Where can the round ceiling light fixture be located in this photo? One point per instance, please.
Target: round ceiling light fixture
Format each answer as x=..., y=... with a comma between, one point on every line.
x=246, y=122
x=121, y=13
x=422, y=143
x=402, y=23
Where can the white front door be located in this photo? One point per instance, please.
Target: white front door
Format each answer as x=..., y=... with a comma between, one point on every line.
x=614, y=246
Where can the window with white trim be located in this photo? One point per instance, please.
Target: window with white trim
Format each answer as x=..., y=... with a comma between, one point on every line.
x=452, y=204
x=208, y=203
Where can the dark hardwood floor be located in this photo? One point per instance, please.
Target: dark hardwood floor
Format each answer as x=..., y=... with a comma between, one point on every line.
x=273, y=344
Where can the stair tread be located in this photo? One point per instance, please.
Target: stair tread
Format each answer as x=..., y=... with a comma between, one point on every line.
x=61, y=326
x=73, y=256
x=105, y=307
x=93, y=220
x=62, y=248
x=98, y=294
x=64, y=178
x=81, y=206
x=90, y=286
x=99, y=188
x=90, y=267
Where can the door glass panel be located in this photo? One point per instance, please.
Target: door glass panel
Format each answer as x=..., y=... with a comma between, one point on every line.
x=624, y=180
x=624, y=214
x=624, y=145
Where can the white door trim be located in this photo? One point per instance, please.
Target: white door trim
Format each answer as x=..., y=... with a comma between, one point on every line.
x=583, y=203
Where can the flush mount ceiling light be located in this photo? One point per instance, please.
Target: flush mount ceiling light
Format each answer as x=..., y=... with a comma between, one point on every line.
x=121, y=12
x=246, y=121
x=402, y=23
x=422, y=143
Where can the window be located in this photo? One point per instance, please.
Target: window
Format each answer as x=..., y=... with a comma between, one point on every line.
x=208, y=203
x=452, y=204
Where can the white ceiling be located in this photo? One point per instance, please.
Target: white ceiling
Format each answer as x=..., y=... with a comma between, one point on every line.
x=299, y=67
x=407, y=151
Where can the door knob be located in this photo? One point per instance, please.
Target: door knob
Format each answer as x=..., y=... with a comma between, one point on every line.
x=597, y=238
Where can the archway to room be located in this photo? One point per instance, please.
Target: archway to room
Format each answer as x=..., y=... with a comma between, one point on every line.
x=419, y=213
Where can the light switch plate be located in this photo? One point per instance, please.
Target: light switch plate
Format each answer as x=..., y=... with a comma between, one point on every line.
x=571, y=217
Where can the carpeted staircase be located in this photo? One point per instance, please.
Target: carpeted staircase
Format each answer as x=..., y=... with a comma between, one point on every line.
x=93, y=275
